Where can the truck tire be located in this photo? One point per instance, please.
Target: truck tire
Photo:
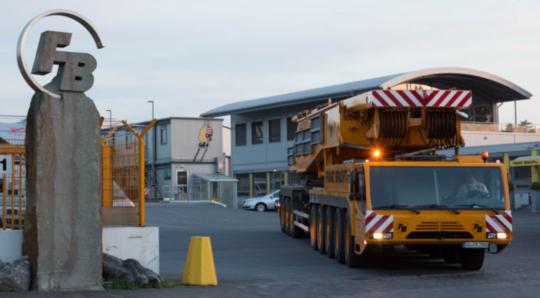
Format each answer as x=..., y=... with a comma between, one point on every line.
x=288, y=216
x=352, y=259
x=339, y=243
x=313, y=226
x=330, y=227
x=451, y=256
x=472, y=259
x=296, y=231
x=282, y=221
x=321, y=231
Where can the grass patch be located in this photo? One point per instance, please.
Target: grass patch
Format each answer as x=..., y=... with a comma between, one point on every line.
x=118, y=284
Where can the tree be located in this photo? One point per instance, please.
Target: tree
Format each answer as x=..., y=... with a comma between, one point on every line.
x=527, y=126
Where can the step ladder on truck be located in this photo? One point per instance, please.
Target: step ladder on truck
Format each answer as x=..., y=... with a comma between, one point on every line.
x=371, y=180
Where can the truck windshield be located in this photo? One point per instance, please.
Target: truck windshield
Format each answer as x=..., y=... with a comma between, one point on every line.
x=457, y=187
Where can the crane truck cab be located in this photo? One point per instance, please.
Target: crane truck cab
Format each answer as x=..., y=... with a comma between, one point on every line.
x=371, y=180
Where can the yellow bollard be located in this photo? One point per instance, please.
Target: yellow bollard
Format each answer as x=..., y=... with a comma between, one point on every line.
x=200, y=269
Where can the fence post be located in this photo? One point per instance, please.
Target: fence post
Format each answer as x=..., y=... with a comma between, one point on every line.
x=4, y=190
x=141, y=182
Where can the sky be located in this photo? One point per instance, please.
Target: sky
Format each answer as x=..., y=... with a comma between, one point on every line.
x=192, y=56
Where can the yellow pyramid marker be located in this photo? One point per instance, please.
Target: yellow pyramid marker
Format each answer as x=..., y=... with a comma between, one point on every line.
x=200, y=269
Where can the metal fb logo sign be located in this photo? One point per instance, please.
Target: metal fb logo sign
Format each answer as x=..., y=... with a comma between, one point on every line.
x=75, y=71
x=419, y=98
x=379, y=223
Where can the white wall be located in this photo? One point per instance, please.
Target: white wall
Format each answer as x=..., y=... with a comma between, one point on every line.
x=479, y=138
x=139, y=243
x=10, y=245
x=227, y=140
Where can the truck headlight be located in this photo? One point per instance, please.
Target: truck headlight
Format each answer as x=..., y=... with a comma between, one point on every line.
x=382, y=235
x=502, y=235
x=491, y=235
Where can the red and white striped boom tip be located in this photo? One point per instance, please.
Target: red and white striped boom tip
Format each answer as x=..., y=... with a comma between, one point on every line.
x=419, y=98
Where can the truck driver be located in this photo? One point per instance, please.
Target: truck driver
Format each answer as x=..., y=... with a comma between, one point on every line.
x=472, y=188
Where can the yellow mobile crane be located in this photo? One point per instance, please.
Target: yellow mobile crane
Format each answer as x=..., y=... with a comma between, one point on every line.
x=371, y=180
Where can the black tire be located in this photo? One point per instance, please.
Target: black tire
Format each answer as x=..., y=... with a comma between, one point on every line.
x=451, y=256
x=472, y=259
x=321, y=231
x=296, y=231
x=282, y=222
x=339, y=243
x=330, y=229
x=288, y=216
x=352, y=259
x=313, y=226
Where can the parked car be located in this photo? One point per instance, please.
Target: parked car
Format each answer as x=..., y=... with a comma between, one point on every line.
x=261, y=204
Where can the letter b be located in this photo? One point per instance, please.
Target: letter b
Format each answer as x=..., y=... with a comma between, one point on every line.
x=74, y=69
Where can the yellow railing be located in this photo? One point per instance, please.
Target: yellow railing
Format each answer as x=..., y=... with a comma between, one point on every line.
x=499, y=127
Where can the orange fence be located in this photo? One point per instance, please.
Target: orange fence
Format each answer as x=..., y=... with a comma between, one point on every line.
x=121, y=192
x=123, y=181
x=12, y=188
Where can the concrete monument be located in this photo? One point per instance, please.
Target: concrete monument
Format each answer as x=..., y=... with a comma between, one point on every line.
x=62, y=229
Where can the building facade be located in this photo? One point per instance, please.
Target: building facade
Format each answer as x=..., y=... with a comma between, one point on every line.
x=262, y=129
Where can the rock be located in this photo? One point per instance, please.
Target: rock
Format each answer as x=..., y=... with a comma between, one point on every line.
x=62, y=227
x=2, y=265
x=15, y=277
x=128, y=270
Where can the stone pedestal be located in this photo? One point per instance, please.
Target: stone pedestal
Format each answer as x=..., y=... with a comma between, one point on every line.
x=62, y=230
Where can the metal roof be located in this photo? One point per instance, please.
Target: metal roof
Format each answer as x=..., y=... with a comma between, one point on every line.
x=488, y=86
x=215, y=178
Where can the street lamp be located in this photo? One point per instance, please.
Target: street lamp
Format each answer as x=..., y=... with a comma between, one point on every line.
x=110, y=118
x=152, y=108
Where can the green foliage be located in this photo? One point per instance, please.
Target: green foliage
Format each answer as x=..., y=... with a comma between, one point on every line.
x=535, y=186
x=131, y=285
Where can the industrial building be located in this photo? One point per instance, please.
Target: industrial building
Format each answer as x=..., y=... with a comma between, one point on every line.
x=262, y=129
x=186, y=159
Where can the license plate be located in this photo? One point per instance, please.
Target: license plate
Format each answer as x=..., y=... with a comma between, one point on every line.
x=475, y=244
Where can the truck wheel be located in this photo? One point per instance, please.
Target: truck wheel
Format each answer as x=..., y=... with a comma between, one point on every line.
x=451, y=256
x=339, y=242
x=282, y=221
x=296, y=231
x=288, y=215
x=321, y=231
x=351, y=258
x=330, y=226
x=313, y=226
x=472, y=259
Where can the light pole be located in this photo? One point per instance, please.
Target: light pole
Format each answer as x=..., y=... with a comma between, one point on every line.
x=110, y=118
x=152, y=109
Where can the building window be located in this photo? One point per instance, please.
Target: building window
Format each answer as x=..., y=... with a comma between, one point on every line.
x=240, y=134
x=275, y=130
x=259, y=184
x=164, y=135
x=256, y=133
x=291, y=129
x=243, y=185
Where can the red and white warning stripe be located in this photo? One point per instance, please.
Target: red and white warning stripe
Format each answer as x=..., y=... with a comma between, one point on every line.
x=419, y=98
x=146, y=191
x=379, y=223
x=499, y=223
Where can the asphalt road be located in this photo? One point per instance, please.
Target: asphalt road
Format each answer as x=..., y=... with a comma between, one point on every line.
x=254, y=259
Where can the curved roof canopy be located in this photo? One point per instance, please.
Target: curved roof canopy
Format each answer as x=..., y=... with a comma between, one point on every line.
x=486, y=86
